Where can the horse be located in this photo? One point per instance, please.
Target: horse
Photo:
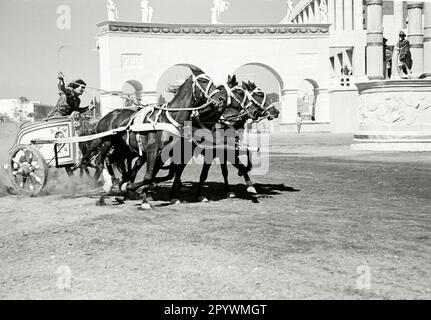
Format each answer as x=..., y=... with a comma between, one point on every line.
x=197, y=95
x=231, y=123
x=238, y=105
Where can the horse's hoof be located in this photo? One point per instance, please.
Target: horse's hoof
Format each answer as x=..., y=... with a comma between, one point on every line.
x=123, y=187
x=145, y=206
x=101, y=202
x=107, y=188
x=251, y=190
x=255, y=200
x=240, y=173
x=11, y=190
x=175, y=201
x=120, y=200
x=132, y=195
x=203, y=199
x=231, y=195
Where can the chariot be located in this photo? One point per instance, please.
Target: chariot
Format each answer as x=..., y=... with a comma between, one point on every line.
x=52, y=142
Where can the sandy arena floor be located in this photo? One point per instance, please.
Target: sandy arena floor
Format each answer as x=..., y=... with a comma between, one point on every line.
x=326, y=213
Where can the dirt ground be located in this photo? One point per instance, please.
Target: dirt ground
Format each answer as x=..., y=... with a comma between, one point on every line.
x=326, y=214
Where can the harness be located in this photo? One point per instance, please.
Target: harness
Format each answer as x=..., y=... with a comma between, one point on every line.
x=142, y=121
x=245, y=106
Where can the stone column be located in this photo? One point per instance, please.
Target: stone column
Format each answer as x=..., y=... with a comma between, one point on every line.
x=289, y=108
x=322, y=109
x=358, y=16
x=427, y=37
x=416, y=36
x=374, y=39
x=300, y=18
x=331, y=14
x=348, y=15
x=304, y=16
x=398, y=18
x=317, y=17
x=310, y=10
x=339, y=15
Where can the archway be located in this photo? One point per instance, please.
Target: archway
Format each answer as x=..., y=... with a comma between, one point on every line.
x=307, y=99
x=170, y=81
x=133, y=90
x=269, y=81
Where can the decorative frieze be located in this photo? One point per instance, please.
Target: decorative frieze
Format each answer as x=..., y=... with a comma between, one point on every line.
x=216, y=30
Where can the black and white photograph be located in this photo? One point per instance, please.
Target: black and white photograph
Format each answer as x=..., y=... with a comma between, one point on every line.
x=215, y=150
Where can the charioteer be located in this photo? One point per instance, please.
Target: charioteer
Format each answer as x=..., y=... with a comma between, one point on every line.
x=69, y=100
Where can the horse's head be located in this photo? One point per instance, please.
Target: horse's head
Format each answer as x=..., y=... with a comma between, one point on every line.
x=205, y=91
x=258, y=99
x=271, y=112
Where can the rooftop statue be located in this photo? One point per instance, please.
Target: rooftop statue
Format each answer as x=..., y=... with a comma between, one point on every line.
x=289, y=13
x=147, y=11
x=220, y=6
x=112, y=10
x=323, y=11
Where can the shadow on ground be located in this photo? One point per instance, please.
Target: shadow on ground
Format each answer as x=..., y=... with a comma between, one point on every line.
x=214, y=191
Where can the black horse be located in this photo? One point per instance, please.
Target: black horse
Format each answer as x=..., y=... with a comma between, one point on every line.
x=254, y=106
x=240, y=104
x=197, y=95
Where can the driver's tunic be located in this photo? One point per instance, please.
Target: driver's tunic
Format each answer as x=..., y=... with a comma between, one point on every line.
x=66, y=104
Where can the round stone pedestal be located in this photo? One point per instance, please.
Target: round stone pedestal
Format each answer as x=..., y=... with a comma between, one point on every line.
x=394, y=115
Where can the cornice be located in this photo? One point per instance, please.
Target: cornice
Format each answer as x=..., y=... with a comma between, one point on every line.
x=212, y=30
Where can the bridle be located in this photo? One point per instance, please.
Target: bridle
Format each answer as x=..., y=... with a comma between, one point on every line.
x=248, y=96
x=265, y=114
x=208, y=95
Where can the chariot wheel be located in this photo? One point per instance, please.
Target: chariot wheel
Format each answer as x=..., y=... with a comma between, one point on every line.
x=28, y=170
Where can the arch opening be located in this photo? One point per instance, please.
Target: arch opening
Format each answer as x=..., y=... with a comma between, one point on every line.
x=171, y=79
x=308, y=91
x=270, y=82
x=133, y=90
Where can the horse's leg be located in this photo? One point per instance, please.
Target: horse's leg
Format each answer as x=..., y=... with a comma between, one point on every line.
x=179, y=168
x=169, y=176
x=100, y=160
x=150, y=173
x=137, y=166
x=90, y=148
x=133, y=171
x=224, y=172
x=250, y=187
x=203, y=177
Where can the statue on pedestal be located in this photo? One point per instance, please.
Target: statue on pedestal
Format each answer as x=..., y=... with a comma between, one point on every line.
x=147, y=11
x=220, y=6
x=289, y=13
x=404, y=57
x=112, y=10
x=323, y=11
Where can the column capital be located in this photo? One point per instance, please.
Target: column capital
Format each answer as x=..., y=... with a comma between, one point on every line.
x=415, y=5
x=374, y=2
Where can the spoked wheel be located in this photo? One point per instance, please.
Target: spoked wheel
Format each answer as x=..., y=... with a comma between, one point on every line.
x=28, y=169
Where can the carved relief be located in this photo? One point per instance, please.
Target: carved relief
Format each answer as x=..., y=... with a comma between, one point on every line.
x=395, y=109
